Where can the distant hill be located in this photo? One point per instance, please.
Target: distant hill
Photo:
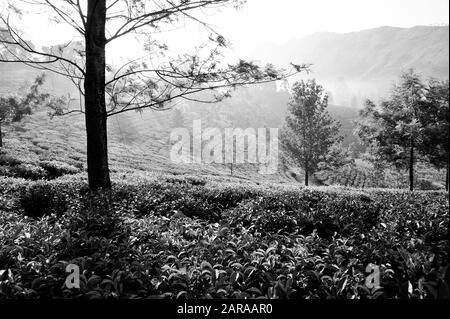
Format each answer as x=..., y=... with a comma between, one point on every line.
x=15, y=75
x=366, y=63
x=351, y=66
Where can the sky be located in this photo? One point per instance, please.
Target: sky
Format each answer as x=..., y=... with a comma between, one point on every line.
x=269, y=21
x=277, y=21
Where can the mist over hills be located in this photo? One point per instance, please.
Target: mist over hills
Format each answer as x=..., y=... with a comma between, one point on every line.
x=365, y=63
x=351, y=67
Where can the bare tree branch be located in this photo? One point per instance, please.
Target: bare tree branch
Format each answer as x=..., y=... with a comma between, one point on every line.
x=17, y=41
x=132, y=22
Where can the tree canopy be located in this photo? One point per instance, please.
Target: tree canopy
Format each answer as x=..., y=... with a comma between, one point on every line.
x=412, y=121
x=310, y=133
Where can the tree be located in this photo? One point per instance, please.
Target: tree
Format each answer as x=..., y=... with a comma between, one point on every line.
x=337, y=156
x=15, y=108
x=310, y=133
x=435, y=117
x=146, y=83
x=395, y=131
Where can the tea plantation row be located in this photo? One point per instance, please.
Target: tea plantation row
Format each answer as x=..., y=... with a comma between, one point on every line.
x=181, y=237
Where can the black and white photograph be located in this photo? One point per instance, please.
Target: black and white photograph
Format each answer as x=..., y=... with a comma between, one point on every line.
x=219, y=158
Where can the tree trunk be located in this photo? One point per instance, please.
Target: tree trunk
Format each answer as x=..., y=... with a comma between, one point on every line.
x=306, y=177
x=411, y=168
x=446, y=178
x=95, y=105
x=1, y=137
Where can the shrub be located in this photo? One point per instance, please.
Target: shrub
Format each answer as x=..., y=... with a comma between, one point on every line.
x=249, y=242
x=97, y=234
x=7, y=160
x=305, y=211
x=427, y=185
x=5, y=171
x=56, y=169
x=42, y=198
x=28, y=171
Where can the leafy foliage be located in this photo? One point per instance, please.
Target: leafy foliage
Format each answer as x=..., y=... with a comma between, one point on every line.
x=414, y=118
x=363, y=175
x=15, y=108
x=35, y=170
x=310, y=132
x=436, y=134
x=257, y=242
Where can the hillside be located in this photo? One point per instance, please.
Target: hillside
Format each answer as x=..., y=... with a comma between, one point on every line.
x=138, y=146
x=365, y=63
x=349, y=66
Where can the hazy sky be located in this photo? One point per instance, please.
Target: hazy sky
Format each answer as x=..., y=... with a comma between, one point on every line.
x=277, y=21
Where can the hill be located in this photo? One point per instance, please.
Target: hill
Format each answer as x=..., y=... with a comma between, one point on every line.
x=365, y=63
x=350, y=66
x=40, y=147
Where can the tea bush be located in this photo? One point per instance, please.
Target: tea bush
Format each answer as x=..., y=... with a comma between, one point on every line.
x=56, y=169
x=174, y=238
x=28, y=171
x=7, y=160
x=41, y=199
